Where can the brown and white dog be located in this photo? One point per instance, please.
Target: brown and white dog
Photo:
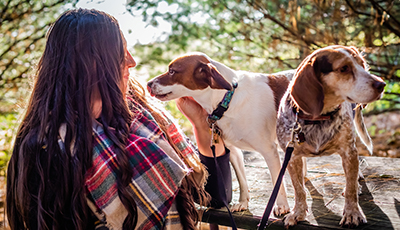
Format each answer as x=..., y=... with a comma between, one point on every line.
x=248, y=124
x=323, y=92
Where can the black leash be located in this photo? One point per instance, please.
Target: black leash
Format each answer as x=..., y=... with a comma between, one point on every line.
x=296, y=130
x=271, y=201
x=223, y=195
x=215, y=133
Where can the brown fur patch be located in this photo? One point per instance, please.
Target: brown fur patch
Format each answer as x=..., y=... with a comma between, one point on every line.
x=307, y=91
x=357, y=55
x=278, y=84
x=195, y=72
x=181, y=71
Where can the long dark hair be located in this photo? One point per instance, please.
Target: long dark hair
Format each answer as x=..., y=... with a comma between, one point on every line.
x=84, y=54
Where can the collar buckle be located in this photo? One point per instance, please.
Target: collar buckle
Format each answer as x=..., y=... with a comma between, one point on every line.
x=222, y=106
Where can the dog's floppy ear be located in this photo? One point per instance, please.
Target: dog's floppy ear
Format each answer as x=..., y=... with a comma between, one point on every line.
x=210, y=74
x=307, y=91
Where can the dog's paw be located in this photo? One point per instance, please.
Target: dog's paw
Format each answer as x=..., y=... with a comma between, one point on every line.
x=280, y=210
x=352, y=218
x=241, y=206
x=292, y=218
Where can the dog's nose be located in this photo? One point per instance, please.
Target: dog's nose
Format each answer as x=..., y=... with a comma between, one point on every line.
x=379, y=85
x=149, y=85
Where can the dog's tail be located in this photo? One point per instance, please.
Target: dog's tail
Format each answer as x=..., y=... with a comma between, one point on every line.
x=361, y=129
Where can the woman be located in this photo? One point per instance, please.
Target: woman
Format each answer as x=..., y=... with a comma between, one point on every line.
x=85, y=151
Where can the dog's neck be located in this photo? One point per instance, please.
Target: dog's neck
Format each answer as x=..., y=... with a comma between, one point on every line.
x=209, y=98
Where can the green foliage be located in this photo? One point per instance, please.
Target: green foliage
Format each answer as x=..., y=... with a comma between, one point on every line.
x=389, y=102
x=372, y=130
x=8, y=127
x=23, y=27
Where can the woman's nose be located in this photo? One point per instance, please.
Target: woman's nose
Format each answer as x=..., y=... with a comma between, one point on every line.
x=130, y=62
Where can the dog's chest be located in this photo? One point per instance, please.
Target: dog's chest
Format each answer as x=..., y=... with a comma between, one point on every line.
x=239, y=133
x=236, y=136
x=321, y=138
x=328, y=137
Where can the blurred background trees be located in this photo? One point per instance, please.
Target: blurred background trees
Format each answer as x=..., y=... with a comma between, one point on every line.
x=269, y=36
x=23, y=27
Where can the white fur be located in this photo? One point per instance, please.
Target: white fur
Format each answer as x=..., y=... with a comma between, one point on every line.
x=248, y=124
x=359, y=90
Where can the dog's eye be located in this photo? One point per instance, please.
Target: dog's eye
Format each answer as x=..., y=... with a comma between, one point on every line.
x=345, y=69
x=171, y=71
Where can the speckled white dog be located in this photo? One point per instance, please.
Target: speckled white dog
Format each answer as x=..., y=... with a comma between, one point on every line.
x=323, y=92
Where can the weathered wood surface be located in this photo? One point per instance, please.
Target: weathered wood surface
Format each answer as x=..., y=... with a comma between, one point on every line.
x=379, y=194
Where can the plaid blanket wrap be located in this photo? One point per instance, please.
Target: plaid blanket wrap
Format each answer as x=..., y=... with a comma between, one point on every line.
x=157, y=173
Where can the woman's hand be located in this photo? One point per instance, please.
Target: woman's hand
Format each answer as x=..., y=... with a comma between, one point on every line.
x=198, y=117
x=192, y=111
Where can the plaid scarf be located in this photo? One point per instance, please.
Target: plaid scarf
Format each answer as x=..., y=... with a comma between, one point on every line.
x=157, y=173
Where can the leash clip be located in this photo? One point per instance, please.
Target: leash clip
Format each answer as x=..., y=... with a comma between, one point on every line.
x=211, y=124
x=297, y=133
x=215, y=134
x=215, y=130
x=212, y=133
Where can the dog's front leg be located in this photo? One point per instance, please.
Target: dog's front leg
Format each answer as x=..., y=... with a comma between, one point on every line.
x=352, y=214
x=295, y=168
x=271, y=156
x=236, y=159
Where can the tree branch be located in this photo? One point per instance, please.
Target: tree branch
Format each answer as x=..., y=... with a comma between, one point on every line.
x=16, y=41
x=4, y=11
x=390, y=100
x=376, y=112
x=6, y=89
x=8, y=18
x=391, y=93
x=10, y=63
x=290, y=42
x=391, y=17
x=279, y=59
x=356, y=11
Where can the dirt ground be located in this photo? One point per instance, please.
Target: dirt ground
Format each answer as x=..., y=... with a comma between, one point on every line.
x=383, y=128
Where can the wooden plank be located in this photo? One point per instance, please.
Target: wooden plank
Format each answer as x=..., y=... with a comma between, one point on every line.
x=245, y=220
x=379, y=194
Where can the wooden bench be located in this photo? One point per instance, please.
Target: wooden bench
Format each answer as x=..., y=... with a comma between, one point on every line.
x=379, y=198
